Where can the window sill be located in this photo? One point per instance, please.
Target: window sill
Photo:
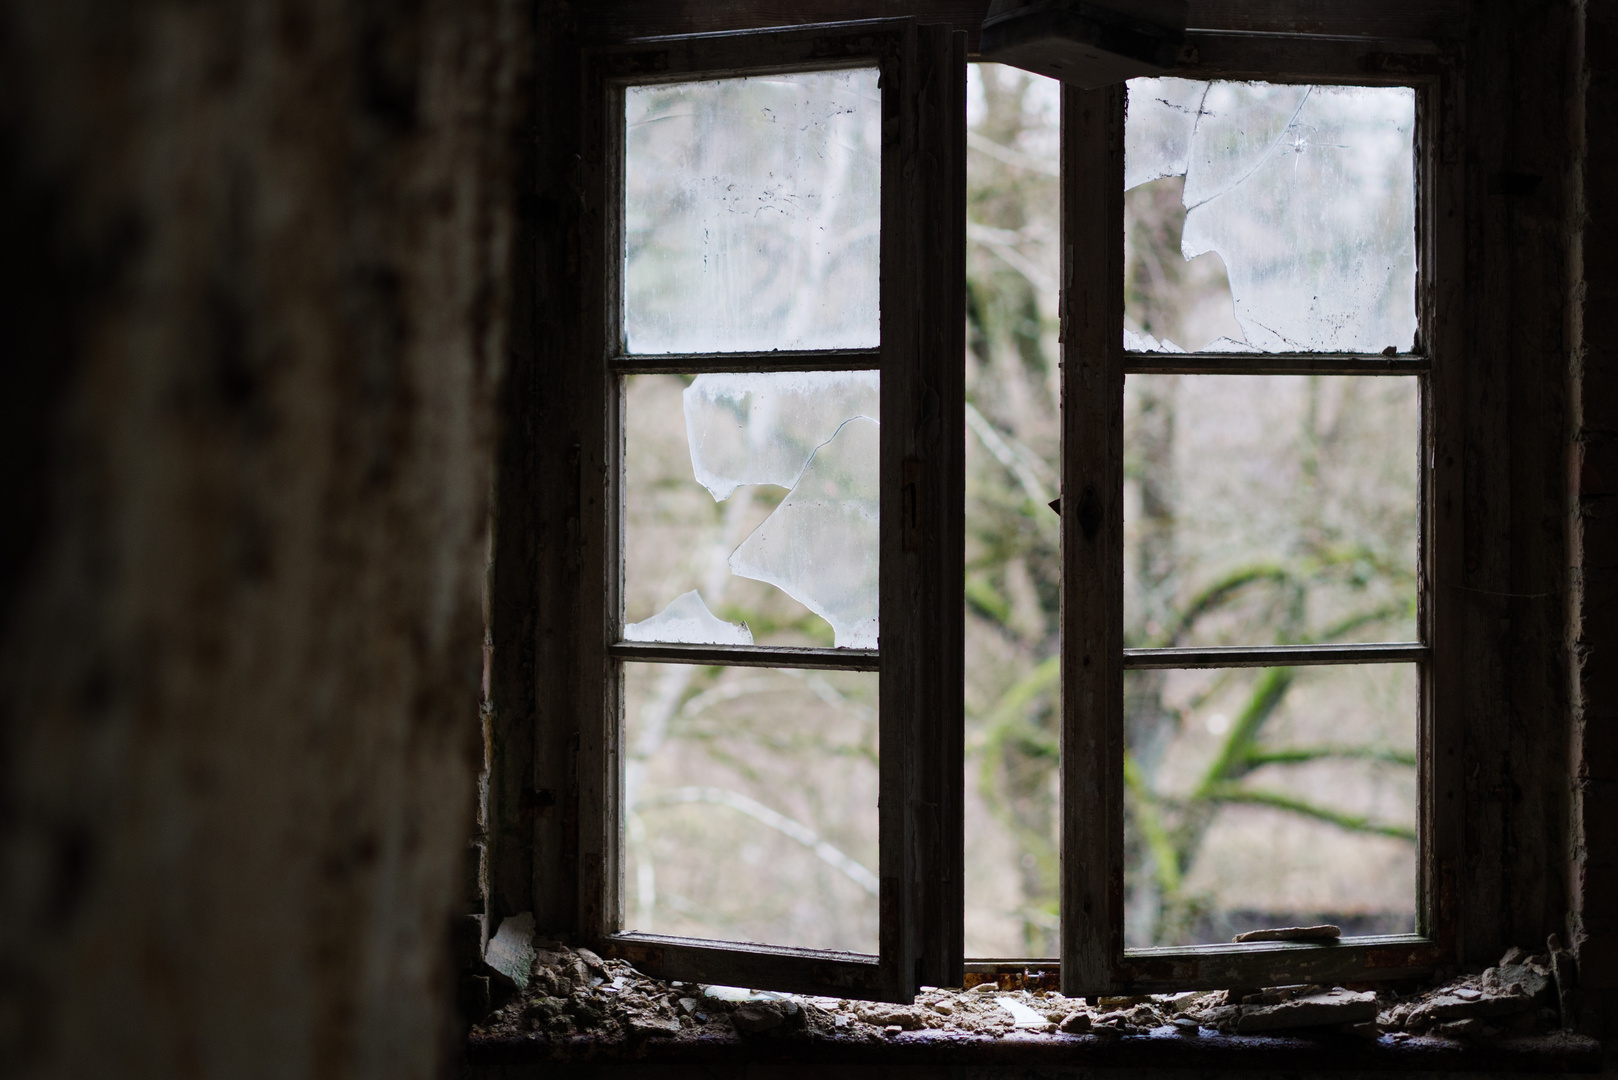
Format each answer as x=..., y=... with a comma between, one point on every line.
x=495, y=1055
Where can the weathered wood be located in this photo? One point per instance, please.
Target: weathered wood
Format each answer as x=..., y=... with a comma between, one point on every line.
x=922, y=534
x=1441, y=543
x=544, y=389
x=802, y=971
x=783, y=360
x=1092, y=538
x=923, y=510
x=1141, y=363
x=1233, y=656
x=780, y=656
x=1276, y=963
x=589, y=687
x=1360, y=60
x=617, y=20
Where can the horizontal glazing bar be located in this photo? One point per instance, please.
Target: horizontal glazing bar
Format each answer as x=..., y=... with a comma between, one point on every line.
x=1203, y=967
x=804, y=971
x=699, y=363
x=747, y=656
x=1395, y=652
x=1137, y=363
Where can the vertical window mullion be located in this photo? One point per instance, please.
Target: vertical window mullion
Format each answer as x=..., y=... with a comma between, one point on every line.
x=923, y=496
x=1092, y=538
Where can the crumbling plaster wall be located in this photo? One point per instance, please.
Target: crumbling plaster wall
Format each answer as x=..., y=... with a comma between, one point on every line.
x=1593, y=478
x=254, y=275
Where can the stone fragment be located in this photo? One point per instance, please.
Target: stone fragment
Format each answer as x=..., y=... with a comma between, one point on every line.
x=591, y=960
x=1529, y=977
x=1451, y=1005
x=1463, y=1029
x=756, y=1016
x=883, y=1014
x=892, y=1030
x=1223, y=1017
x=1311, y=1010
x=688, y=1006
x=646, y=1026
x=1184, y=1025
x=1075, y=1023
x=586, y=1009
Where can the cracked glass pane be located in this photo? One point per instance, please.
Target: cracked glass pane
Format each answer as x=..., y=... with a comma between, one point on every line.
x=763, y=428
x=752, y=213
x=750, y=805
x=820, y=546
x=1268, y=797
x=752, y=500
x=1270, y=218
x=688, y=620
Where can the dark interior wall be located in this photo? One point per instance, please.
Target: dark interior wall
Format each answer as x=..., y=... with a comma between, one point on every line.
x=259, y=267
x=1593, y=474
x=254, y=282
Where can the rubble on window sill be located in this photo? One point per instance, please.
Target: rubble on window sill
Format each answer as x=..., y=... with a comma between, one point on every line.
x=577, y=1002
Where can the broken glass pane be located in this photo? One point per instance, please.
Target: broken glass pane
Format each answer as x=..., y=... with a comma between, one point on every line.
x=1012, y=584
x=752, y=211
x=1268, y=797
x=820, y=544
x=750, y=805
x=754, y=503
x=1304, y=197
x=1269, y=509
x=763, y=428
x=688, y=620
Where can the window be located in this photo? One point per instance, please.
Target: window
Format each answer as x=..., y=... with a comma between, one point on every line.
x=764, y=526
x=775, y=340
x=1323, y=191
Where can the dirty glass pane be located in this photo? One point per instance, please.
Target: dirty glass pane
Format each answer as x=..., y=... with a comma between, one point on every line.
x=1269, y=218
x=752, y=209
x=1013, y=555
x=1269, y=797
x=751, y=508
x=1267, y=510
x=750, y=805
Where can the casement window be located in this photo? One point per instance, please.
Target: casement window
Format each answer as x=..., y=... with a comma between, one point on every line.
x=773, y=508
x=775, y=250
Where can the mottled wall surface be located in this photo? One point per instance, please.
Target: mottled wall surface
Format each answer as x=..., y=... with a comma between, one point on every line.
x=254, y=276
x=1593, y=476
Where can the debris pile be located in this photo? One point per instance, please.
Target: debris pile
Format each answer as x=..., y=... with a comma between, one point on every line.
x=557, y=992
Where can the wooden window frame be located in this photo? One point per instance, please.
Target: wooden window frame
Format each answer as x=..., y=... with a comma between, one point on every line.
x=573, y=795
x=1094, y=959
x=921, y=478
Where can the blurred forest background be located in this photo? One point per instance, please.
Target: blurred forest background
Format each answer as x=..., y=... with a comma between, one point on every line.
x=1258, y=510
